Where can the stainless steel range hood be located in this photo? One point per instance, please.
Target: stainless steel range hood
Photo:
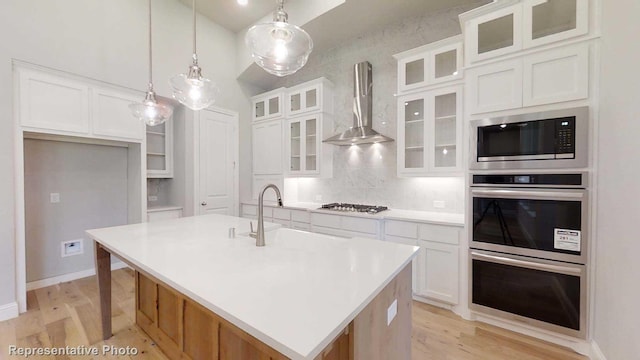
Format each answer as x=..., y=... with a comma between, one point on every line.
x=361, y=132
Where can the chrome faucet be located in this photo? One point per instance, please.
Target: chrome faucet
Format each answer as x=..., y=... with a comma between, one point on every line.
x=259, y=233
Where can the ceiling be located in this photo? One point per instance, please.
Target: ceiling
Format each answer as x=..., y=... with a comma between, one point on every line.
x=231, y=15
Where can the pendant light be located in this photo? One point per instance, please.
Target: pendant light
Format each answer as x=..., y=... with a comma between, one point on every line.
x=278, y=47
x=149, y=110
x=193, y=90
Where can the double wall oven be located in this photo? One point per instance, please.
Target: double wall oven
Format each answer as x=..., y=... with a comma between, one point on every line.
x=529, y=245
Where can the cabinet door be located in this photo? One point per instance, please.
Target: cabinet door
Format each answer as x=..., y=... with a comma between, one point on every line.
x=494, y=34
x=411, y=134
x=268, y=106
x=267, y=148
x=416, y=263
x=438, y=268
x=53, y=103
x=445, y=129
x=495, y=87
x=112, y=117
x=160, y=150
x=311, y=145
x=294, y=153
x=556, y=76
x=304, y=145
x=412, y=72
x=445, y=63
x=553, y=20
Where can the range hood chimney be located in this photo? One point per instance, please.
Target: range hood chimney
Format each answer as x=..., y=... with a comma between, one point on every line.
x=361, y=132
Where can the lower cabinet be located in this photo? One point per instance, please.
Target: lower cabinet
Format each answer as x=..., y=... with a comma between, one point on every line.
x=436, y=268
x=184, y=329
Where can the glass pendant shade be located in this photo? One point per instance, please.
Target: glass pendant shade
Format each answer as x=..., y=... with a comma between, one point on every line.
x=278, y=47
x=150, y=111
x=193, y=90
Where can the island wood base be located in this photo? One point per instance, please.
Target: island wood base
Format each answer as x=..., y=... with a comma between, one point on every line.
x=184, y=329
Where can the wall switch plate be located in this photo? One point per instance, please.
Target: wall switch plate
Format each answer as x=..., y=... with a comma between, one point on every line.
x=153, y=198
x=439, y=204
x=72, y=247
x=54, y=198
x=392, y=311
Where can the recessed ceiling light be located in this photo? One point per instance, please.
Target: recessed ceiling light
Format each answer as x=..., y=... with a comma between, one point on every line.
x=243, y=2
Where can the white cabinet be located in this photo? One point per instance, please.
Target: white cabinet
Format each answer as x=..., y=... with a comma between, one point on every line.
x=430, y=132
x=268, y=105
x=345, y=226
x=267, y=147
x=553, y=20
x=306, y=154
x=430, y=64
x=54, y=103
x=315, y=95
x=495, y=33
x=111, y=116
x=547, y=77
x=436, y=268
x=160, y=150
x=504, y=27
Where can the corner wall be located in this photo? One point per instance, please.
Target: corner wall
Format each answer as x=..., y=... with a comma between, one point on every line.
x=617, y=314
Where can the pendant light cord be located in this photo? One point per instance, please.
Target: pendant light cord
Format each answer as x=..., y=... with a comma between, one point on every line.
x=150, y=51
x=193, y=7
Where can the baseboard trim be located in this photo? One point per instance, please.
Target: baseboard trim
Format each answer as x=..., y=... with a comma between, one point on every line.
x=68, y=277
x=596, y=353
x=8, y=311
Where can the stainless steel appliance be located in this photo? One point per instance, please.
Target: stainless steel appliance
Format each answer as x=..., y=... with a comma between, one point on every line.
x=545, y=140
x=370, y=209
x=529, y=249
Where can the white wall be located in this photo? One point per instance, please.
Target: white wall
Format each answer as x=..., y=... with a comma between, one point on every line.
x=617, y=310
x=367, y=173
x=104, y=40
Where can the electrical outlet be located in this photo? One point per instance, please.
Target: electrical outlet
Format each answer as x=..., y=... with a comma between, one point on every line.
x=71, y=247
x=54, y=198
x=392, y=311
x=153, y=198
x=439, y=204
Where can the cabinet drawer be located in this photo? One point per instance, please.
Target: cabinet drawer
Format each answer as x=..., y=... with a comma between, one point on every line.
x=285, y=223
x=332, y=221
x=300, y=226
x=300, y=216
x=401, y=228
x=439, y=233
x=329, y=231
x=249, y=210
x=368, y=226
x=282, y=214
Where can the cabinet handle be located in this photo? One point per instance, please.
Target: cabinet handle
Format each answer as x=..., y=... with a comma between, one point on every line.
x=204, y=203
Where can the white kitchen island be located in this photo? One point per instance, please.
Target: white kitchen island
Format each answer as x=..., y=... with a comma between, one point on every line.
x=202, y=294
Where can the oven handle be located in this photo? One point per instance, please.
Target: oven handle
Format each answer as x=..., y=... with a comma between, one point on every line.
x=531, y=265
x=536, y=194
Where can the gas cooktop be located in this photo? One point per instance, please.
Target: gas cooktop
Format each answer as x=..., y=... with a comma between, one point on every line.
x=369, y=209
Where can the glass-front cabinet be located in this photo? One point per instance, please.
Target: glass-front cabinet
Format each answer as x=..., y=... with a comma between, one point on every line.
x=160, y=150
x=430, y=132
x=268, y=105
x=305, y=148
x=496, y=33
x=430, y=64
x=310, y=96
x=553, y=20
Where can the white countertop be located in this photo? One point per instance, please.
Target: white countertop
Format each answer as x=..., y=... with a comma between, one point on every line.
x=296, y=294
x=163, y=208
x=430, y=217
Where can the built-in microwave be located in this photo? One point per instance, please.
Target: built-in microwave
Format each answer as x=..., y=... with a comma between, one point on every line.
x=544, y=140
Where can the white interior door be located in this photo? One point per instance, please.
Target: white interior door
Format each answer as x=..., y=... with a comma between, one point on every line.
x=217, y=185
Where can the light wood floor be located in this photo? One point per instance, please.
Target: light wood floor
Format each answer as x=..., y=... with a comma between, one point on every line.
x=68, y=315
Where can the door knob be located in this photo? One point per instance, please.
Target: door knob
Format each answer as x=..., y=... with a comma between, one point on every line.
x=204, y=203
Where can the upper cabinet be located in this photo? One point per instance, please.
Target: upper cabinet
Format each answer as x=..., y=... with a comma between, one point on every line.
x=508, y=26
x=431, y=64
x=160, y=150
x=430, y=132
x=54, y=103
x=307, y=155
x=311, y=96
x=268, y=105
